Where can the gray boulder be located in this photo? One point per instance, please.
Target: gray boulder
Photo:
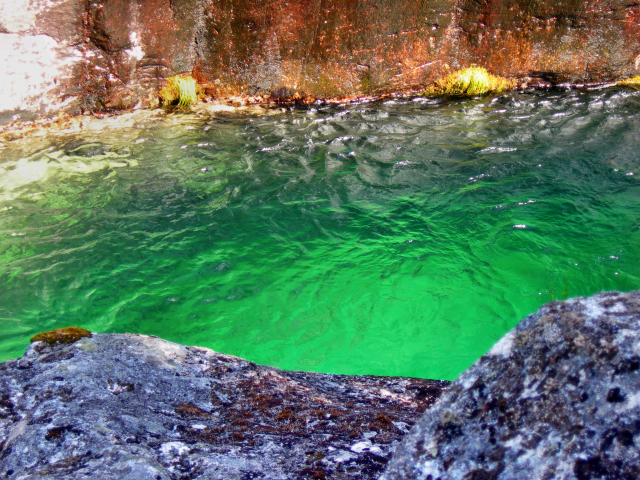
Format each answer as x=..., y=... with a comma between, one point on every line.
x=557, y=398
x=132, y=407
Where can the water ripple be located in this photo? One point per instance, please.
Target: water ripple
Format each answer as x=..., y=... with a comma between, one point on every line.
x=397, y=238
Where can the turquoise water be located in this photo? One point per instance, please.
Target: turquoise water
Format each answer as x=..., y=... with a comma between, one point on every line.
x=396, y=238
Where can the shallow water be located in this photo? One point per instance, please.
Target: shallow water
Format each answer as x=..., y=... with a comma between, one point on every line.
x=397, y=238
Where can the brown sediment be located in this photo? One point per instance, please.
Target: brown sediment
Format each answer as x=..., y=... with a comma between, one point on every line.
x=64, y=122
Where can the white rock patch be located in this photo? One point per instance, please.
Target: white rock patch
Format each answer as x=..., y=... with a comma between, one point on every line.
x=503, y=347
x=170, y=449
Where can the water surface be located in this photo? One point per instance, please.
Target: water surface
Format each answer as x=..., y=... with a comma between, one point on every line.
x=396, y=238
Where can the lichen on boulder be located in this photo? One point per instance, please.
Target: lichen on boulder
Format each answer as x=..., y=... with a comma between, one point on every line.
x=62, y=335
x=133, y=407
x=557, y=397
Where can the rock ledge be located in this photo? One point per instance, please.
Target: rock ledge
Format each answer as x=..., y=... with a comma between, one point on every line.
x=137, y=407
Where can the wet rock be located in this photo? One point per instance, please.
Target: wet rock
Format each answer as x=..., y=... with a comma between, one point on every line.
x=285, y=95
x=138, y=407
x=95, y=55
x=557, y=397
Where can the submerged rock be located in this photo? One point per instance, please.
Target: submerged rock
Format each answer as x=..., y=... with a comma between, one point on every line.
x=557, y=397
x=138, y=407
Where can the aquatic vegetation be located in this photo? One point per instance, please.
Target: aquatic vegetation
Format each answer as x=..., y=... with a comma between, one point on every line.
x=62, y=335
x=469, y=81
x=181, y=89
x=633, y=82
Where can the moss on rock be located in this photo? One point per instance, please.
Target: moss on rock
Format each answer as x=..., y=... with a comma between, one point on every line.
x=181, y=90
x=62, y=335
x=631, y=82
x=469, y=81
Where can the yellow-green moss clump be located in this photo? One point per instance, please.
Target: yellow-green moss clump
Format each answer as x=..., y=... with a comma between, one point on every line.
x=631, y=82
x=181, y=90
x=469, y=81
x=62, y=335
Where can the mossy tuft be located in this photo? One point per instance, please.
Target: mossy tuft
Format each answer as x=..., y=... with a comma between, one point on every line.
x=630, y=82
x=180, y=90
x=469, y=81
x=62, y=335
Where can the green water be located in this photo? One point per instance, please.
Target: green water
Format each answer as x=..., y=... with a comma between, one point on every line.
x=398, y=238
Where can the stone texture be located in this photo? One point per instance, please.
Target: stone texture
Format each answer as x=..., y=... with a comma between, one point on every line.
x=558, y=397
x=92, y=55
x=132, y=407
x=571, y=41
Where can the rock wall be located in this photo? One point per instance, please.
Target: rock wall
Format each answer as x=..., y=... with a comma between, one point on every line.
x=557, y=397
x=89, y=55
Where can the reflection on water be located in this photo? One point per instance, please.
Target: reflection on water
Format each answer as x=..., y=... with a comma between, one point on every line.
x=401, y=238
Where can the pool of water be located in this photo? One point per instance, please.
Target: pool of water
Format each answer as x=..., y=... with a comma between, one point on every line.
x=394, y=238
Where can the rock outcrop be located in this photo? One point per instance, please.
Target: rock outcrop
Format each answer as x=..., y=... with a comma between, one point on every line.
x=132, y=407
x=90, y=55
x=557, y=397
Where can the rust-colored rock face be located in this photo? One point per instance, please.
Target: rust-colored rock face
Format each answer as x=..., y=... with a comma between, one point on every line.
x=326, y=48
x=560, y=40
x=98, y=54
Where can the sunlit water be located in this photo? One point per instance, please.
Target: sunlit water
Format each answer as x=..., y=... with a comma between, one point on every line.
x=398, y=238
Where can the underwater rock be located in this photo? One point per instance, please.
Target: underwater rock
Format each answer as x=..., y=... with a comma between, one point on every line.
x=95, y=55
x=136, y=407
x=557, y=397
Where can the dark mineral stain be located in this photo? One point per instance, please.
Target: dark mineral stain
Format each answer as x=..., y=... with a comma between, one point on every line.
x=57, y=356
x=626, y=366
x=193, y=410
x=615, y=395
x=56, y=433
x=481, y=474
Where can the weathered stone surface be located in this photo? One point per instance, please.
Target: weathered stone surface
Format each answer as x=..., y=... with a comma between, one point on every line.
x=137, y=407
x=557, y=397
x=572, y=41
x=91, y=55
